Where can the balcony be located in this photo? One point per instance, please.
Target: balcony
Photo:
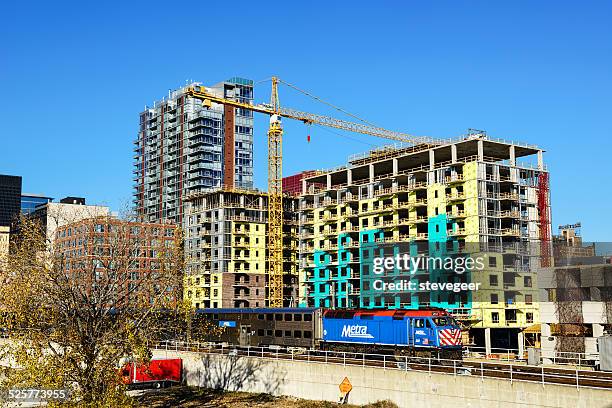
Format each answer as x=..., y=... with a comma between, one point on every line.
x=455, y=197
x=458, y=178
x=508, y=196
x=329, y=217
x=328, y=203
x=457, y=232
x=419, y=202
x=512, y=232
x=456, y=214
x=418, y=220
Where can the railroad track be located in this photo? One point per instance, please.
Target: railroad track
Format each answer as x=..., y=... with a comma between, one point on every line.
x=512, y=372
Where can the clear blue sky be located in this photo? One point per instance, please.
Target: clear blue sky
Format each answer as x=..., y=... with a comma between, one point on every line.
x=75, y=75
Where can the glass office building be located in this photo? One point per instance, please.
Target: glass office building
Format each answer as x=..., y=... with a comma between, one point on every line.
x=29, y=202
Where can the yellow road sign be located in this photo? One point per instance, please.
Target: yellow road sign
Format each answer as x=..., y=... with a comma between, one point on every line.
x=345, y=386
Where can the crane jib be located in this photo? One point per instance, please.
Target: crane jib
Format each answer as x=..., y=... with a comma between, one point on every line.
x=311, y=118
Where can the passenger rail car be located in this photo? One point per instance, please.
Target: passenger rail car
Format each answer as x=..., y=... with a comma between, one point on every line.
x=289, y=327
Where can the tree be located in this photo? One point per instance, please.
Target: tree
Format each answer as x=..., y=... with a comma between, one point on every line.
x=75, y=308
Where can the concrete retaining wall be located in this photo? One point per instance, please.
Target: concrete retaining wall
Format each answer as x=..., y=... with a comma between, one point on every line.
x=319, y=381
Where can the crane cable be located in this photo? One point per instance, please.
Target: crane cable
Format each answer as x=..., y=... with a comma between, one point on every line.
x=326, y=103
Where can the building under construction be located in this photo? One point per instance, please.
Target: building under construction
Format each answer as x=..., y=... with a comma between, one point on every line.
x=226, y=249
x=575, y=297
x=443, y=197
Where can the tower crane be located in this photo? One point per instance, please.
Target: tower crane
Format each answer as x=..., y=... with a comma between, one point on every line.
x=275, y=159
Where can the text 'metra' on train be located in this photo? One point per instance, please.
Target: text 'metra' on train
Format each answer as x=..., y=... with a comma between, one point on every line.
x=427, y=332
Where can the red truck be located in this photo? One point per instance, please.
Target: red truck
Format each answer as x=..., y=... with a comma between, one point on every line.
x=157, y=374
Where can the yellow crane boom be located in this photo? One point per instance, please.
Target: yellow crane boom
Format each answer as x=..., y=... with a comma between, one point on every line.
x=275, y=160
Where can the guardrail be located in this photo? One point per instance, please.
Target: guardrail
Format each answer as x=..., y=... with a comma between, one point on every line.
x=555, y=357
x=508, y=371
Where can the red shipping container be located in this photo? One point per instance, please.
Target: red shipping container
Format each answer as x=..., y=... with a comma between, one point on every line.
x=158, y=373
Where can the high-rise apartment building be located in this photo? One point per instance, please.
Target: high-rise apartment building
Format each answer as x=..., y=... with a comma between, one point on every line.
x=469, y=196
x=226, y=237
x=184, y=147
x=10, y=199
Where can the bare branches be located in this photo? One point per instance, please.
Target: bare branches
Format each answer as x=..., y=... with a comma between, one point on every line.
x=96, y=293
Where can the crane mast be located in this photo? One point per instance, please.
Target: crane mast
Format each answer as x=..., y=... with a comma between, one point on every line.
x=275, y=164
x=275, y=203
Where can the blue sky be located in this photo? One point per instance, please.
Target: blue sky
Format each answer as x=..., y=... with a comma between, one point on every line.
x=75, y=75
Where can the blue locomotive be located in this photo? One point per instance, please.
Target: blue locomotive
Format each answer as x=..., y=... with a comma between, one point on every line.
x=424, y=333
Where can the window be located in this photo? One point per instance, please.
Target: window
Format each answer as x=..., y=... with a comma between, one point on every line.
x=436, y=194
x=494, y=298
x=260, y=316
x=441, y=321
x=278, y=333
x=288, y=317
x=260, y=332
x=297, y=334
x=307, y=334
x=527, y=281
x=269, y=332
x=287, y=333
x=495, y=317
x=419, y=323
x=528, y=299
x=307, y=318
x=297, y=317
x=493, y=280
x=278, y=316
x=529, y=317
x=269, y=316
x=492, y=262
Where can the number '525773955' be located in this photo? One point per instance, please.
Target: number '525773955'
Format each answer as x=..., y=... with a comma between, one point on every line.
x=37, y=394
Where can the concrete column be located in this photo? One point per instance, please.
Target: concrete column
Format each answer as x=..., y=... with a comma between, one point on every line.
x=480, y=150
x=540, y=160
x=371, y=168
x=512, y=156
x=349, y=177
x=487, y=341
x=432, y=159
x=521, y=344
x=454, y=153
x=329, y=182
x=395, y=167
x=303, y=186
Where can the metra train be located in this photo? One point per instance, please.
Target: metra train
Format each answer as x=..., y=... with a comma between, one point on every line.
x=424, y=333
